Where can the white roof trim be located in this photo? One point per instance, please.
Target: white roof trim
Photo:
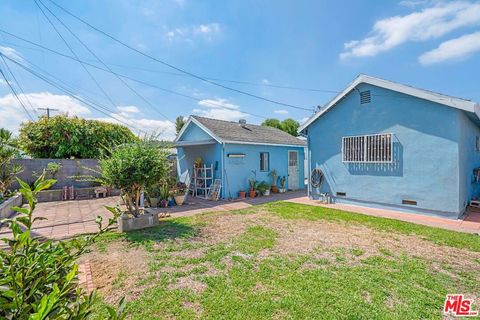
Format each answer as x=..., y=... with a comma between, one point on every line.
x=194, y=143
x=462, y=104
x=201, y=126
x=266, y=144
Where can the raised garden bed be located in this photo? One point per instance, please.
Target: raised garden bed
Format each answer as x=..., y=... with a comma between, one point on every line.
x=146, y=220
x=6, y=206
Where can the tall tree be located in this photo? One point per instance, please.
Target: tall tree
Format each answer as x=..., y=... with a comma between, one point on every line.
x=275, y=123
x=290, y=126
x=179, y=123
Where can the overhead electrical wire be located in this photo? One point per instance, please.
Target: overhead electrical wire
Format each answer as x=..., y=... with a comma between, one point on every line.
x=105, y=65
x=15, y=93
x=94, y=105
x=76, y=56
x=122, y=75
x=193, y=75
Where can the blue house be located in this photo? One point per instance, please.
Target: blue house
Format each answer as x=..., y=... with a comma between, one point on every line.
x=383, y=144
x=235, y=152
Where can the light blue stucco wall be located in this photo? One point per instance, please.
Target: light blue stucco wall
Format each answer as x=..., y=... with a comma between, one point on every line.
x=426, y=167
x=237, y=170
x=469, y=159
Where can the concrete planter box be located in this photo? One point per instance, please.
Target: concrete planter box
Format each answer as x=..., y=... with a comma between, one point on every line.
x=146, y=220
x=6, y=207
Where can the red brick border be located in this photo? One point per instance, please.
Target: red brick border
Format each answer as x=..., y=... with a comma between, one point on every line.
x=85, y=279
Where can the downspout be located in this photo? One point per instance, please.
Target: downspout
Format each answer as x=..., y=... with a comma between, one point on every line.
x=309, y=155
x=223, y=171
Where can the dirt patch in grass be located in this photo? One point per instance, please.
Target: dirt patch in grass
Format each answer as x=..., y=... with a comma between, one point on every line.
x=118, y=271
x=188, y=283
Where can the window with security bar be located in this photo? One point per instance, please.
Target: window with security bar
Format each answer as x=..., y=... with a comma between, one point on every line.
x=375, y=148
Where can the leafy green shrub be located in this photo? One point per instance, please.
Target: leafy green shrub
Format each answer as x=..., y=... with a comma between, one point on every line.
x=7, y=153
x=39, y=280
x=65, y=137
x=131, y=168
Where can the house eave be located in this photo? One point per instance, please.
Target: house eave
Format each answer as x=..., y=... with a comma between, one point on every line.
x=266, y=144
x=465, y=105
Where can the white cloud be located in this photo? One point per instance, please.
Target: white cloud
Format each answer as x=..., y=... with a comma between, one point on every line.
x=128, y=109
x=12, y=113
x=280, y=111
x=219, y=109
x=3, y=82
x=452, y=49
x=265, y=81
x=11, y=53
x=208, y=32
x=429, y=23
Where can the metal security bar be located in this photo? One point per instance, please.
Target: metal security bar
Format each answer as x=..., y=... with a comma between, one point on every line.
x=375, y=148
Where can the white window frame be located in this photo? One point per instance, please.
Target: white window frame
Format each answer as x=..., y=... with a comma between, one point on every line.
x=367, y=155
x=265, y=162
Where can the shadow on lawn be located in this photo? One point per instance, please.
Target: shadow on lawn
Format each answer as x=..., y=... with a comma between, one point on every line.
x=167, y=230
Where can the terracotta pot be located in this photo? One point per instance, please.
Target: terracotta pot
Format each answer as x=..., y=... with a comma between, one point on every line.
x=179, y=200
x=274, y=189
x=242, y=194
x=252, y=193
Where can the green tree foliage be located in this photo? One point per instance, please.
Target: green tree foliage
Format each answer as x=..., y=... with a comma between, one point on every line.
x=288, y=125
x=39, y=280
x=179, y=123
x=274, y=123
x=7, y=153
x=65, y=137
x=133, y=167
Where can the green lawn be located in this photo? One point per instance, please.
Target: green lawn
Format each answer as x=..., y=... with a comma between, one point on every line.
x=243, y=265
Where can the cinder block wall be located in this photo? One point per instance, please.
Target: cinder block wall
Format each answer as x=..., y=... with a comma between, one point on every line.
x=65, y=177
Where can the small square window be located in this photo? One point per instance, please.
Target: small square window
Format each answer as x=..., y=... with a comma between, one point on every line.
x=264, y=161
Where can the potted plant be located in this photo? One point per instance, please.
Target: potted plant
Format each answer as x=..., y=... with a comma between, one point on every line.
x=264, y=188
x=164, y=194
x=242, y=194
x=283, y=181
x=179, y=193
x=153, y=194
x=130, y=167
x=274, y=175
x=253, y=187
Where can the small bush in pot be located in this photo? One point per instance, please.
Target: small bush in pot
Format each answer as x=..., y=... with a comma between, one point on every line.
x=131, y=167
x=264, y=188
x=179, y=193
x=274, y=175
x=253, y=185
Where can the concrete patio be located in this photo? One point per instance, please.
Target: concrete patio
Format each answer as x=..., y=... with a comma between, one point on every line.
x=66, y=219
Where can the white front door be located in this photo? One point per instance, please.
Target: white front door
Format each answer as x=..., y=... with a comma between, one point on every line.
x=293, y=170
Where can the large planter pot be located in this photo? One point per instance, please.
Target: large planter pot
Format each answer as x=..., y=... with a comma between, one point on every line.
x=153, y=202
x=179, y=200
x=266, y=193
x=242, y=194
x=282, y=190
x=146, y=220
x=274, y=189
x=252, y=193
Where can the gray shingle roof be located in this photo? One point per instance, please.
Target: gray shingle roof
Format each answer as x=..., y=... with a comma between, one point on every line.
x=233, y=131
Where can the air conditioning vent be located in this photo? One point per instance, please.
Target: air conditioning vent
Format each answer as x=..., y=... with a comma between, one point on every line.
x=341, y=194
x=410, y=202
x=365, y=97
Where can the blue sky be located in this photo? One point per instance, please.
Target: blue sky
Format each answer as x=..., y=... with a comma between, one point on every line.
x=319, y=45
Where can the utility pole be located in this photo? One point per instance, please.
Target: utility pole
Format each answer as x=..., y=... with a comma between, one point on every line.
x=48, y=111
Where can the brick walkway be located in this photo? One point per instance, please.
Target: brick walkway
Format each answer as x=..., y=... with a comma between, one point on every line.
x=470, y=223
x=66, y=219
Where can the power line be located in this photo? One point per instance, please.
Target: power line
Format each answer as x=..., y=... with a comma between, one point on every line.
x=104, y=64
x=93, y=104
x=121, y=75
x=193, y=75
x=15, y=93
x=18, y=84
x=76, y=56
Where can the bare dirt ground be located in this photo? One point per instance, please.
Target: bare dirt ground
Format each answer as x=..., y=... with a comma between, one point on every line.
x=120, y=270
